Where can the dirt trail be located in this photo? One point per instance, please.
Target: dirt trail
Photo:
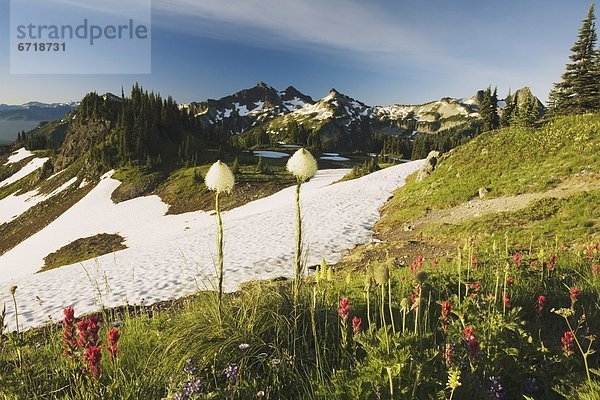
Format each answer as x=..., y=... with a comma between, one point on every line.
x=406, y=245
x=479, y=207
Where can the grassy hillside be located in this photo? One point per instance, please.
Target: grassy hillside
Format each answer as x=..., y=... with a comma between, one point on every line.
x=515, y=319
x=506, y=162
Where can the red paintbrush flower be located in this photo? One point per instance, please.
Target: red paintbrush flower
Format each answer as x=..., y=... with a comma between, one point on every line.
x=517, y=258
x=112, y=343
x=541, y=302
x=356, y=325
x=92, y=357
x=69, y=332
x=507, y=300
x=344, y=310
x=574, y=294
x=567, y=340
x=445, y=315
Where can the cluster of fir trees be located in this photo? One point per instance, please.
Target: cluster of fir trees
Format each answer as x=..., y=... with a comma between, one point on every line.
x=445, y=140
x=521, y=109
x=579, y=90
x=390, y=147
x=488, y=110
x=148, y=128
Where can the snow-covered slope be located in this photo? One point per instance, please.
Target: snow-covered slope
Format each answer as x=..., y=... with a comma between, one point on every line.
x=31, y=166
x=18, y=155
x=14, y=205
x=172, y=255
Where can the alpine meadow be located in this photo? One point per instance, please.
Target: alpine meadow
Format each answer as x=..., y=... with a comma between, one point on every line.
x=268, y=244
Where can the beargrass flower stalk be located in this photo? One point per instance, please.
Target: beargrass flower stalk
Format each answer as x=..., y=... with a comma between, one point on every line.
x=313, y=320
x=459, y=282
x=390, y=380
x=13, y=290
x=390, y=305
x=417, y=308
x=404, y=304
x=219, y=179
x=382, y=276
x=504, y=293
x=368, y=297
x=303, y=166
x=453, y=380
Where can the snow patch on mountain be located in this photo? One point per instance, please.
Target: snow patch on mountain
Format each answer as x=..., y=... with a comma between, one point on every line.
x=32, y=166
x=12, y=206
x=18, y=155
x=170, y=256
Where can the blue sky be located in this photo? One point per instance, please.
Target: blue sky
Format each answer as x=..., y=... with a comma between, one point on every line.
x=378, y=51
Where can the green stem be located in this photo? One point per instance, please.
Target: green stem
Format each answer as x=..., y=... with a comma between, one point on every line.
x=220, y=254
x=389, y=373
x=583, y=354
x=298, y=271
x=314, y=331
x=368, y=295
x=16, y=312
x=387, y=339
x=459, y=263
x=390, y=305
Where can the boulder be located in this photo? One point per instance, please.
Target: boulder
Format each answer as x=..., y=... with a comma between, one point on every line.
x=430, y=163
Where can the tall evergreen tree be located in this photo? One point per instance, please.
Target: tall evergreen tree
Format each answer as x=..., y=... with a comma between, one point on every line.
x=488, y=110
x=507, y=112
x=579, y=90
x=495, y=118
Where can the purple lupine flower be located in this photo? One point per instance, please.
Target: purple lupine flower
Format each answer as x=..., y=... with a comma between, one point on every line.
x=231, y=372
x=496, y=389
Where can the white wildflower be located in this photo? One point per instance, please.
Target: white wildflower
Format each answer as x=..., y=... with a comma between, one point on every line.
x=302, y=165
x=219, y=178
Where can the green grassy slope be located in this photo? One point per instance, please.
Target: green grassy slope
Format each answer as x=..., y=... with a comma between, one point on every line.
x=508, y=161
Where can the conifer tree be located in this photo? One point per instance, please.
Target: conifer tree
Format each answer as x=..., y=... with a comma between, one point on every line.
x=495, y=118
x=508, y=111
x=579, y=90
x=487, y=110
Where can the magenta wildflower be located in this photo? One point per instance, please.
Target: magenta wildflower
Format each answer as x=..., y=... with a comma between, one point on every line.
x=445, y=315
x=69, y=333
x=112, y=343
x=567, y=341
x=92, y=357
x=344, y=310
x=356, y=325
x=517, y=258
x=541, y=302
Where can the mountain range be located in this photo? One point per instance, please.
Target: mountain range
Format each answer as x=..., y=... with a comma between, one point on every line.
x=263, y=108
x=24, y=117
x=262, y=114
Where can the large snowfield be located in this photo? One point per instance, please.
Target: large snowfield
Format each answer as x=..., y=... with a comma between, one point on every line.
x=170, y=256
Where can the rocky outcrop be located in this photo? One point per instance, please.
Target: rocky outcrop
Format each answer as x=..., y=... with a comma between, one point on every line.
x=430, y=163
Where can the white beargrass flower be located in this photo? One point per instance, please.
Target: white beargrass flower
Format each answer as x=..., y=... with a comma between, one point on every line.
x=219, y=178
x=302, y=165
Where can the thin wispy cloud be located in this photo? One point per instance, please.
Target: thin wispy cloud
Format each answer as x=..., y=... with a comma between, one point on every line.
x=366, y=33
x=360, y=27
